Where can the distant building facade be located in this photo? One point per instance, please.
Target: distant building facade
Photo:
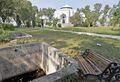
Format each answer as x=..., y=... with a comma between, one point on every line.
x=64, y=14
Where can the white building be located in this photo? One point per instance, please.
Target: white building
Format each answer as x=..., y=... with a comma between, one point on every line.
x=45, y=19
x=64, y=14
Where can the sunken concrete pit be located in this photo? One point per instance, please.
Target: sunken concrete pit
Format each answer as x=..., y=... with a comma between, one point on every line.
x=35, y=62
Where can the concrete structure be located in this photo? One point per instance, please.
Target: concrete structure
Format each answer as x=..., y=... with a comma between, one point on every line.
x=24, y=58
x=16, y=35
x=64, y=14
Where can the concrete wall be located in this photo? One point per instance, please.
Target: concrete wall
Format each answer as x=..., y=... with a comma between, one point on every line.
x=57, y=65
x=29, y=57
x=19, y=59
x=52, y=59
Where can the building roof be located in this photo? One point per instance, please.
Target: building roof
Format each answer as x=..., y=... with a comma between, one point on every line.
x=66, y=6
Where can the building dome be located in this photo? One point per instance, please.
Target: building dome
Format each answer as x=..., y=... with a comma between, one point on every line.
x=66, y=6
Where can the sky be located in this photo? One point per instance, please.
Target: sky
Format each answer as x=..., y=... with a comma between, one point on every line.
x=56, y=4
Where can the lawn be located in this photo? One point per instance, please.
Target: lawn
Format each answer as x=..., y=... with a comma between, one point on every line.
x=99, y=30
x=72, y=44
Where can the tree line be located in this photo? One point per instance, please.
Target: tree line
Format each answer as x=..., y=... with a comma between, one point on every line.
x=22, y=12
x=25, y=14
x=98, y=16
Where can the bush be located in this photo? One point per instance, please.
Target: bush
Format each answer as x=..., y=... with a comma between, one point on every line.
x=7, y=27
x=1, y=31
x=48, y=23
x=59, y=25
x=4, y=37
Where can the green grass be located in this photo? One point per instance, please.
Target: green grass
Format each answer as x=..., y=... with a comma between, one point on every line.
x=71, y=44
x=4, y=36
x=99, y=30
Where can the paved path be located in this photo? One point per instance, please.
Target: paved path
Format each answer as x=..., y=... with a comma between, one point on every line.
x=90, y=34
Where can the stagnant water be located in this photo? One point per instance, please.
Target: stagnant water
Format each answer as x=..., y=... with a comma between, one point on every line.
x=27, y=77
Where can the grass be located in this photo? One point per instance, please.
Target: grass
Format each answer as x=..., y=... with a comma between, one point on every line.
x=72, y=44
x=4, y=36
x=99, y=30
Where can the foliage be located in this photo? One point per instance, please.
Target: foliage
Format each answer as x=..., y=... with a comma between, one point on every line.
x=38, y=22
x=49, y=12
x=7, y=9
x=92, y=16
x=105, y=13
x=21, y=11
x=1, y=31
x=97, y=12
x=18, y=21
x=59, y=25
x=55, y=21
x=75, y=19
x=7, y=27
x=4, y=36
x=88, y=15
x=24, y=13
x=49, y=23
x=116, y=16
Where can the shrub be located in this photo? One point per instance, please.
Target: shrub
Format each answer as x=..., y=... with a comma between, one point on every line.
x=48, y=23
x=4, y=37
x=55, y=21
x=1, y=31
x=59, y=25
x=7, y=27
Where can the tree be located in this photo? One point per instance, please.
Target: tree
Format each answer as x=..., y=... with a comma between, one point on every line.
x=18, y=21
x=49, y=12
x=89, y=16
x=34, y=15
x=6, y=9
x=105, y=13
x=97, y=7
x=86, y=11
x=97, y=12
x=118, y=4
x=75, y=19
x=55, y=21
x=116, y=16
x=21, y=11
x=27, y=13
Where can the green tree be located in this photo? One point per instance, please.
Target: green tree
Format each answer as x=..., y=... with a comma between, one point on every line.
x=26, y=12
x=18, y=21
x=116, y=16
x=21, y=11
x=97, y=7
x=49, y=12
x=89, y=16
x=6, y=9
x=34, y=15
x=75, y=19
x=105, y=13
x=55, y=21
x=97, y=12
